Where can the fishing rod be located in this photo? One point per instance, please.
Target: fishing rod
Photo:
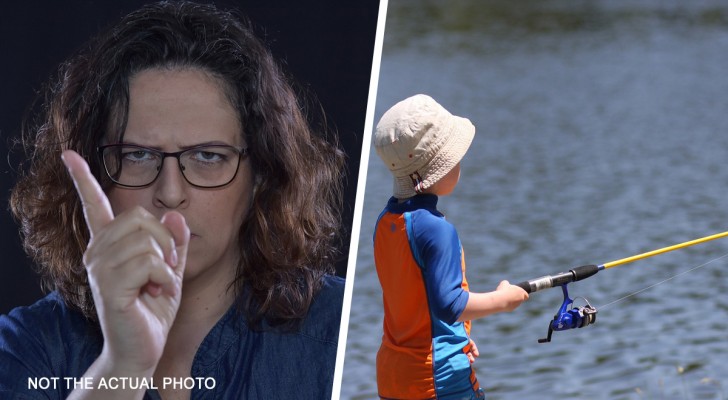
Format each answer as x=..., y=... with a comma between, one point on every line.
x=570, y=317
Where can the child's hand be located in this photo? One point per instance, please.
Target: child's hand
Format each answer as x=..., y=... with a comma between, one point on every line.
x=471, y=350
x=511, y=295
x=505, y=298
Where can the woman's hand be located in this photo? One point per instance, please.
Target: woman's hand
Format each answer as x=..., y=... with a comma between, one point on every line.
x=135, y=265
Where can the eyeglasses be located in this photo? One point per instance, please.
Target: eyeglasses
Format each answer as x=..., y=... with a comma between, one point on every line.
x=204, y=166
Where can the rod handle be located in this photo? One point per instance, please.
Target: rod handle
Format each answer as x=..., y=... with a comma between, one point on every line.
x=525, y=286
x=586, y=271
x=562, y=278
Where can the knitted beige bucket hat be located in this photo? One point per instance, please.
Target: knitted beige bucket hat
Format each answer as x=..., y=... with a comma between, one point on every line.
x=420, y=142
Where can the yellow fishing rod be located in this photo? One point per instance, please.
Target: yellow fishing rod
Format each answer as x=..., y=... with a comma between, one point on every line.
x=570, y=317
x=664, y=250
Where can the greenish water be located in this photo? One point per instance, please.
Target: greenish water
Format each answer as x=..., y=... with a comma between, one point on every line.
x=602, y=133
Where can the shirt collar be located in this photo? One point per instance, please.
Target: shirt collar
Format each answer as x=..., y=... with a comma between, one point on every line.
x=420, y=201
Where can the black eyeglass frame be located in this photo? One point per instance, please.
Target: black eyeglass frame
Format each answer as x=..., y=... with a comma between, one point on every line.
x=177, y=154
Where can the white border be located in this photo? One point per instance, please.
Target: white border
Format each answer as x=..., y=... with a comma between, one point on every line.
x=359, y=204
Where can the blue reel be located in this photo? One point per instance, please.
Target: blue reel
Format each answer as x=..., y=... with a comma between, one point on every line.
x=570, y=317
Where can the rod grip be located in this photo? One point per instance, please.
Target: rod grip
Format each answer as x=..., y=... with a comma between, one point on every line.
x=525, y=285
x=562, y=278
x=534, y=285
x=584, y=271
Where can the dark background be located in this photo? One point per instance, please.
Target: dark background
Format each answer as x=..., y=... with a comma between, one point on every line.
x=327, y=47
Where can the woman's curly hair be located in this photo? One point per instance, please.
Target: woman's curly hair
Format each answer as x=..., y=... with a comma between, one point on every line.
x=288, y=241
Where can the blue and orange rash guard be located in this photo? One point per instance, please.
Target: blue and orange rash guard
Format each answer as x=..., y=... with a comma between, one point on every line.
x=421, y=269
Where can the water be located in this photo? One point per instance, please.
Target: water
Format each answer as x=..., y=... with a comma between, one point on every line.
x=602, y=133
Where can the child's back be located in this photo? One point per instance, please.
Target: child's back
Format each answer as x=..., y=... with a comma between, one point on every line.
x=422, y=346
x=426, y=350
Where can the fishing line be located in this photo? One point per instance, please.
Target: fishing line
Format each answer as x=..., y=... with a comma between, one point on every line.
x=661, y=282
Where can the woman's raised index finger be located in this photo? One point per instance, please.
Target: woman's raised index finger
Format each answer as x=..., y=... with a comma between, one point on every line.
x=96, y=206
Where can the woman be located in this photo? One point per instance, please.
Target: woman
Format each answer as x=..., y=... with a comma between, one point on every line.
x=190, y=243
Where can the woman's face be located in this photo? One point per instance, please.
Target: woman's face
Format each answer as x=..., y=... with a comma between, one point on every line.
x=171, y=110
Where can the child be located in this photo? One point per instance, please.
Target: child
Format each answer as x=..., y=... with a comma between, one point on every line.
x=426, y=350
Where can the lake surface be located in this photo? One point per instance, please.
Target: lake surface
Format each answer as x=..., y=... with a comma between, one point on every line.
x=602, y=132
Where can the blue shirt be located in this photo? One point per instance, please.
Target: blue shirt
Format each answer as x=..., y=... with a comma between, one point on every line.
x=48, y=342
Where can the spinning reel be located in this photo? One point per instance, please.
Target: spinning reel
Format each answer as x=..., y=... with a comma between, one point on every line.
x=570, y=317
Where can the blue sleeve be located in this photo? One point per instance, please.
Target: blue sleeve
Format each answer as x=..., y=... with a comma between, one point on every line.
x=437, y=249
